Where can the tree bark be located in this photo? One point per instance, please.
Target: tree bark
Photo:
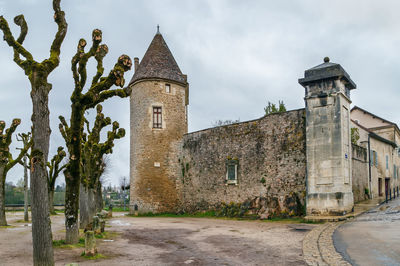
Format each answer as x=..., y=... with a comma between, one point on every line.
x=51, y=202
x=26, y=214
x=3, y=221
x=84, y=218
x=99, y=198
x=91, y=203
x=87, y=206
x=71, y=210
x=73, y=176
x=41, y=224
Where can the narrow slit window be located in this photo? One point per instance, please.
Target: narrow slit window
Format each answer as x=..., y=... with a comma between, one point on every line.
x=157, y=117
x=387, y=162
x=167, y=88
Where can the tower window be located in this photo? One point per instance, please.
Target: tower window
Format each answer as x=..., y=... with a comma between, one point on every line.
x=167, y=88
x=157, y=117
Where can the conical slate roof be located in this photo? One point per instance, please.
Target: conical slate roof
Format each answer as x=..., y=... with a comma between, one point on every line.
x=158, y=62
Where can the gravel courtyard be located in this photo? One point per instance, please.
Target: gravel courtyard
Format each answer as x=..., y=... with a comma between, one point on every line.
x=168, y=241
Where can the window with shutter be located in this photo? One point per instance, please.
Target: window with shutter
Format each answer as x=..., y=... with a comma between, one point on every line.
x=387, y=162
x=232, y=171
x=371, y=157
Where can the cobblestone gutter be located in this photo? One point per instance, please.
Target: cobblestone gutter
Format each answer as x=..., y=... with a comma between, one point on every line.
x=318, y=248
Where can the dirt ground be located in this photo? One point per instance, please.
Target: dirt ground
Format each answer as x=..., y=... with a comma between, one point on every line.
x=168, y=241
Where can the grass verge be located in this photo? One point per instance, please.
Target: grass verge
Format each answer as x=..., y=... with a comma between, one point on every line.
x=212, y=214
x=61, y=244
x=95, y=257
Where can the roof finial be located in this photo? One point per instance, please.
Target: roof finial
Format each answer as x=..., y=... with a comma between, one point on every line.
x=158, y=29
x=326, y=59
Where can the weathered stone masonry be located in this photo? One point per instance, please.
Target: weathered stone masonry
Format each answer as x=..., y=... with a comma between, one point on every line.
x=157, y=82
x=271, y=166
x=359, y=172
x=284, y=164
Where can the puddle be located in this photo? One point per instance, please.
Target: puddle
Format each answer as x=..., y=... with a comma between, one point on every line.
x=300, y=227
x=15, y=228
x=24, y=225
x=119, y=223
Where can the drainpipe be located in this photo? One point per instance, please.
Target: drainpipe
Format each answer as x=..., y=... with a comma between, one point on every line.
x=369, y=166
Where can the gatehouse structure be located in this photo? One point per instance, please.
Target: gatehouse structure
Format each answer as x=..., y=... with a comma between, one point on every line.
x=300, y=162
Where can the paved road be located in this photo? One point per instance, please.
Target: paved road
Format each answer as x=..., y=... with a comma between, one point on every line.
x=372, y=238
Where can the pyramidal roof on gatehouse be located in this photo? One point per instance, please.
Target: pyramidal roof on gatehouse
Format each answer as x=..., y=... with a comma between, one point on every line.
x=158, y=62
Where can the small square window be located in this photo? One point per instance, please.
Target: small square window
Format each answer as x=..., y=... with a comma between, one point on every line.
x=232, y=171
x=167, y=88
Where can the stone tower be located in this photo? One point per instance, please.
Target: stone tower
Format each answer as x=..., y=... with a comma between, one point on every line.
x=328, y=146
x=158, y=109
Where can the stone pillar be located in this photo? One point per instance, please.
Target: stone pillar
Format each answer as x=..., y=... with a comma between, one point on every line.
x=327, y=98
x=90, y=244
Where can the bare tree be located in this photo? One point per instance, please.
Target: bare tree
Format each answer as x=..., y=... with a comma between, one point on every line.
x=54, y=171
x=124, y=184
x=37, y=73
x=99, y=91
x=93, y=165
x=25, y=139
x=7, y=162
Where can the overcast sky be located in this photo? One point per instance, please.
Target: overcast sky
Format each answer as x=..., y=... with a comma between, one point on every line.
x=238, y=55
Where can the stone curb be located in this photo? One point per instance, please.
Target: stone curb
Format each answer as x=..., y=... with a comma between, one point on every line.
x=318, y=248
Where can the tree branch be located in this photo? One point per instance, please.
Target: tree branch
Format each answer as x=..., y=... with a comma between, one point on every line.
x=59, y=18
x=20, y=21
x=9, y=38
x=15, y=123
x=108, y=94
x=64, y=129
x=22, y=153
x=100, y=54
x=74, y=62
x=96, y=39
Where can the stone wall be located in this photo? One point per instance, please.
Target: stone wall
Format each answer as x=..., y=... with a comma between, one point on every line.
x=359, y=172
x=271, y=170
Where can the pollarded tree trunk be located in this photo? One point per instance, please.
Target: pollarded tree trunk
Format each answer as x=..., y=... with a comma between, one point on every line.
x=26, y=214
x=99, y=198
x=87, y=206
x=91, y=203
x=51, y=202
x=41, y=224
x=84, y=218
x=71, y=210
x=72, y=173
x=3, y=221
